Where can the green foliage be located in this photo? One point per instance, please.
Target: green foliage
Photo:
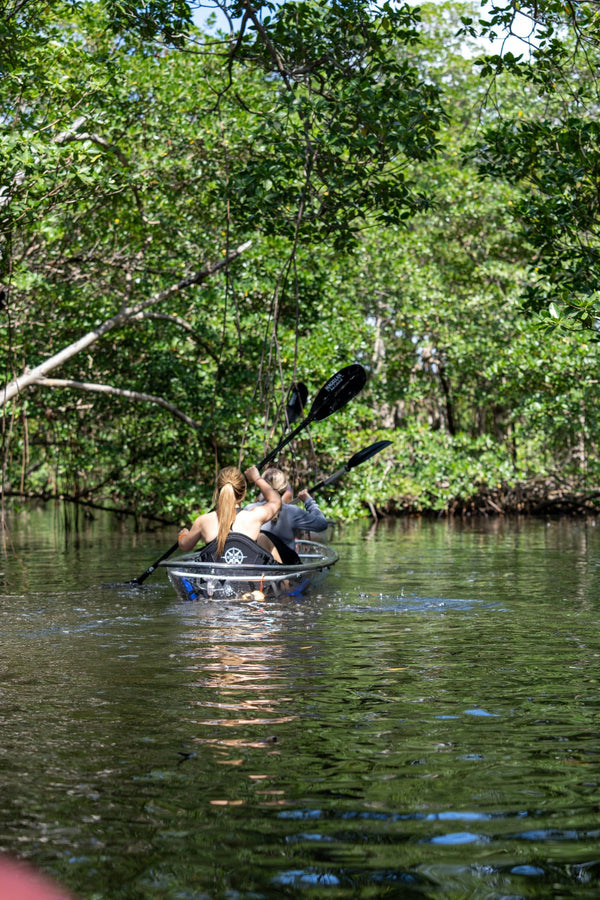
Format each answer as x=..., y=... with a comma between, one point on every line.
x=166, y=19
x=123, y=163
x=351, y=110
x=551, y=148
x=343, y=141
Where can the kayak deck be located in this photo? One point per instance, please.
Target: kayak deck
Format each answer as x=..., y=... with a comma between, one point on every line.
x=194, y=579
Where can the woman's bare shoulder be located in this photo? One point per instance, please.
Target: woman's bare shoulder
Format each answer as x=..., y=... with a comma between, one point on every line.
x=206, y=517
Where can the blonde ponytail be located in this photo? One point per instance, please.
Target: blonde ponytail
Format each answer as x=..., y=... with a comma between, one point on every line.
x=226, y=515
x=229, y=491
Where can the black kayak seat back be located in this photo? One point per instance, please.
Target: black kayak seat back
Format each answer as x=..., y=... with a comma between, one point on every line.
x=240, y=550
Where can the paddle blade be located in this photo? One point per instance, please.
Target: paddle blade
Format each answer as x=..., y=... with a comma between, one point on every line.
x=340, y=388
x=338, y=391
x=366, y=453
x=296, y=402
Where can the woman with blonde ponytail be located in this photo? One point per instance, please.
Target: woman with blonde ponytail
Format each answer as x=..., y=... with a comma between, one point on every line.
x=228, y=527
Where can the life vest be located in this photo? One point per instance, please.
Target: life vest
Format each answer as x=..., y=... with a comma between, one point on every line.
x=240, y=550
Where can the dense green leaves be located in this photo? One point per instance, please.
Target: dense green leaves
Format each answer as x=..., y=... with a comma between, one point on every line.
x=551, y=148
x=166, y=19
x=331, y=154
x=351, y=110
x=127, y=168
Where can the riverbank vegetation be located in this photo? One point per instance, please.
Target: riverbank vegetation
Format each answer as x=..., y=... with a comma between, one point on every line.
x=193, y=218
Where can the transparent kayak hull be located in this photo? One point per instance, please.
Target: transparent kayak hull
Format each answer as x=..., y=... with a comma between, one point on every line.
x=194, y=579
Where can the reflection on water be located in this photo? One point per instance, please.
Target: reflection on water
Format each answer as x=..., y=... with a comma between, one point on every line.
x=424, y=726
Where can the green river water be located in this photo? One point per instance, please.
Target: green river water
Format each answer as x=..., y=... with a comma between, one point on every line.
x=425, y=725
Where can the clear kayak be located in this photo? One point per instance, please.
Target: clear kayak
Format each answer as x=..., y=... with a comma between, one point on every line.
x=195, y=579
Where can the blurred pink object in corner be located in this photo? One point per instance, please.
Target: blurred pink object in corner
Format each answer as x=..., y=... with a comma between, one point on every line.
x=19, y=881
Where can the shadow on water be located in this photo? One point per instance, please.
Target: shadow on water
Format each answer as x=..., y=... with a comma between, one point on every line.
x=423, y=726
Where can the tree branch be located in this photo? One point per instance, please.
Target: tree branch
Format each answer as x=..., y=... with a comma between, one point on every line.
x=117, y=392
x=66, y=136
x=46, y=496
x=125, y=316
x=251, y=12
x=181, y=323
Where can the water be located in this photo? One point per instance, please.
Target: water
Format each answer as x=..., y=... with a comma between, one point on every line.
x=426, y=726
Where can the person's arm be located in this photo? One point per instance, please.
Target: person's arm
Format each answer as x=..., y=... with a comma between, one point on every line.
x=272, y=505
x=310, y=519
x=189, y=537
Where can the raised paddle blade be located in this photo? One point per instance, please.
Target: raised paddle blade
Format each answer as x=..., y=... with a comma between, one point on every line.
x=365, y=454
x=297, y=398
x=334, y=394
x=338, y=391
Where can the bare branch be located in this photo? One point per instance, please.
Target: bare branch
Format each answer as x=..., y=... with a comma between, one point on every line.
x=5, y=192
x=124, y=317
x=80, y=500
x=66, y=136
x=117, y=392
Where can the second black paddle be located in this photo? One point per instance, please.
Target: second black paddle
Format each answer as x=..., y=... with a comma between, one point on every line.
x=356, y=460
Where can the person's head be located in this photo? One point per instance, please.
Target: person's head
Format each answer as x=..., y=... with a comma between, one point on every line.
x=277, y=479
x=230, y=490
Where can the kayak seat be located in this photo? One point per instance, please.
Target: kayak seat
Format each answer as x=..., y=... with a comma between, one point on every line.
x=240, y=550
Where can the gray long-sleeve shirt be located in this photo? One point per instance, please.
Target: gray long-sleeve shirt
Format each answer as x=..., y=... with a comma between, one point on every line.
x=292, y=518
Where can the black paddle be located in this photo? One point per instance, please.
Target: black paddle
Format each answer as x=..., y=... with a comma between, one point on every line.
x=334, y=395
x=296, y=402
x=356, y=460
x=338, y=391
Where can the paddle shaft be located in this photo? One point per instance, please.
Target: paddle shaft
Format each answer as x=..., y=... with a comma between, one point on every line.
x=330, y=480
x=141, y=578
x=356, y=460
x=285, y=441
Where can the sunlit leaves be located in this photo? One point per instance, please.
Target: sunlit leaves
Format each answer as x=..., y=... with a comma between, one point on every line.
x=551, y=148
x=351, y=112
